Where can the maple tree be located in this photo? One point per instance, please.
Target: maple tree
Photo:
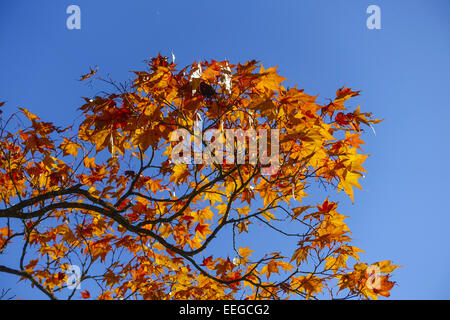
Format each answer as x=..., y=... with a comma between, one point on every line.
x=105, y=195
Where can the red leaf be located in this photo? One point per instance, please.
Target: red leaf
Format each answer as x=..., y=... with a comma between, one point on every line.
x=201, y=228
x=208, y=262
x=123, y=204
x=342, y=119
x=327, y=206
x=85, y=294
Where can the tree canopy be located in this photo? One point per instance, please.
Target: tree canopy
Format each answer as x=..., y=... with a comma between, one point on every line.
x=106, y=195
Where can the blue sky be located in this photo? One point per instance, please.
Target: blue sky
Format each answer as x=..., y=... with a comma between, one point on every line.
x=403, y=71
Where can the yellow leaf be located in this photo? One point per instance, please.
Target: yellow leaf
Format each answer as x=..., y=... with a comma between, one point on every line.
x=298, y=211
x=336, y=263
x=310, y=284
x=243, y=226
x=29, y=115
x=386, y=266
x=348, y=180
x=271, y=267
x=222, y=208
x=270, y=79
x=69, y=147
x=245, y=252
x=213, y=197
x=89, y=163
x=300, y=255
x=180, y=173
x=268, y=215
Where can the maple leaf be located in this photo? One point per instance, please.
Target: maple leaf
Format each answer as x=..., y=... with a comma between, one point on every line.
x=384, y=287
x=333, y=263
x=269, y=79
x=299, y=210
x=85, y=294
x=346, y=92
x=30, y=266
x=29, y=115
x=310, y=284
x=213, y=197
x=243, y=226
x=180, y=173
x=245, y=252
x=349, y=180
x=69, y=147
x=300, y=255
x=154, y=185
x=223, y=267
x=271, y=267
x=208, y=262
x=203, y=229
x=91, y=73
x=386, y=266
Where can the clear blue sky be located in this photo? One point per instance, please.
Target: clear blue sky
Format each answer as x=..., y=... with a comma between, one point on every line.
x=403, y=70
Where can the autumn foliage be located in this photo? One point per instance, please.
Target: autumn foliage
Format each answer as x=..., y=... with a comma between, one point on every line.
x=105, y=195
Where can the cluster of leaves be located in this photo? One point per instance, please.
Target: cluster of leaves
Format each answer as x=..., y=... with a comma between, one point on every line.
x=107, y=197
